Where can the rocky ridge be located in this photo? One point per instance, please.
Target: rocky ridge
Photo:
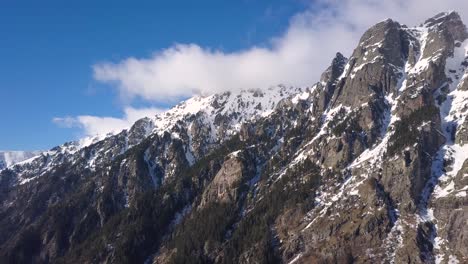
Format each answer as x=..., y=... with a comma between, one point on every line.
x=367, y=165
x=9, y=158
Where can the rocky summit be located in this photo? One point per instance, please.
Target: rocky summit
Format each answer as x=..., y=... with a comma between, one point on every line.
x=368, y=165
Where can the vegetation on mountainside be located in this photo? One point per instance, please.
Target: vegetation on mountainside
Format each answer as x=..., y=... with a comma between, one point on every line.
x=406, y=130
x=138, y=230
x=217, y=228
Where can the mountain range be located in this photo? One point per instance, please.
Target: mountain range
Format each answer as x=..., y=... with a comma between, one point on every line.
x=9, y=158
x=368, y=165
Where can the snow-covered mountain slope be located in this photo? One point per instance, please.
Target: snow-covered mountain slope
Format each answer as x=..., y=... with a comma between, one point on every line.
x=206, y=120
x=368, y=165
x=9, y=158
x=423, y=134
x=238, y=107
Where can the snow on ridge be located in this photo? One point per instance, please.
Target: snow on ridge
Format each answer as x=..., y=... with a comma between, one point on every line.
x=421, y=64
x=373, y=156
x=453, y=112
x=240, y=106
x=246, y=105
x=304, y=151
x=10, y=158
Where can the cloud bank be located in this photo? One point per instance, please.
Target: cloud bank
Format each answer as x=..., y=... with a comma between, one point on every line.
x=94, y=125
x=297, y=57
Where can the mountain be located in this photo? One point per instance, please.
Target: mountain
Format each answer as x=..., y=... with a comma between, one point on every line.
x=8, y=158
x=368, y=165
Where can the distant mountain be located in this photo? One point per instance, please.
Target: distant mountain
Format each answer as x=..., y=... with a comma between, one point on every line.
x=368, y=165
x=9, y=158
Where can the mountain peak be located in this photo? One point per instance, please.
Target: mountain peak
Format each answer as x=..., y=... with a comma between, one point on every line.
x=450, y=22
x=339, y=57
x=443, y=17
x=369, y=162
x=335, y=69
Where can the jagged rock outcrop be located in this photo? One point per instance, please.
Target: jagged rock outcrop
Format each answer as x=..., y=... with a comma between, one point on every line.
x=224, y=186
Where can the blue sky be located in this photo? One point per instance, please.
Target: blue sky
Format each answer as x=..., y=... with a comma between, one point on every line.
x=48, y=49
x=73, y=69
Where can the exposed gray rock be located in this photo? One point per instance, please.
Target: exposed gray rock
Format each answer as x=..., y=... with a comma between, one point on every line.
x=365, y=166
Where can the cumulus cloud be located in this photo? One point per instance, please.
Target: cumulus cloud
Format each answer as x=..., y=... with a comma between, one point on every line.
x=94, y=125
x=295, y=58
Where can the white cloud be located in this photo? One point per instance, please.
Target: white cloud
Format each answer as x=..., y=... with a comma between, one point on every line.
x=297, y=57
x=94, y=125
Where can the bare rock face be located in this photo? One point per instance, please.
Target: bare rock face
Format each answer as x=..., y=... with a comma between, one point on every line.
x=464, y=84
x=450, y=23
x=450, y=210
x=328, y=82
x=462, y=133
x=371, y=69
x=222, y=188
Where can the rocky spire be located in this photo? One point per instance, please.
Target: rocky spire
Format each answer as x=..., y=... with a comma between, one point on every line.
x=328, y=82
